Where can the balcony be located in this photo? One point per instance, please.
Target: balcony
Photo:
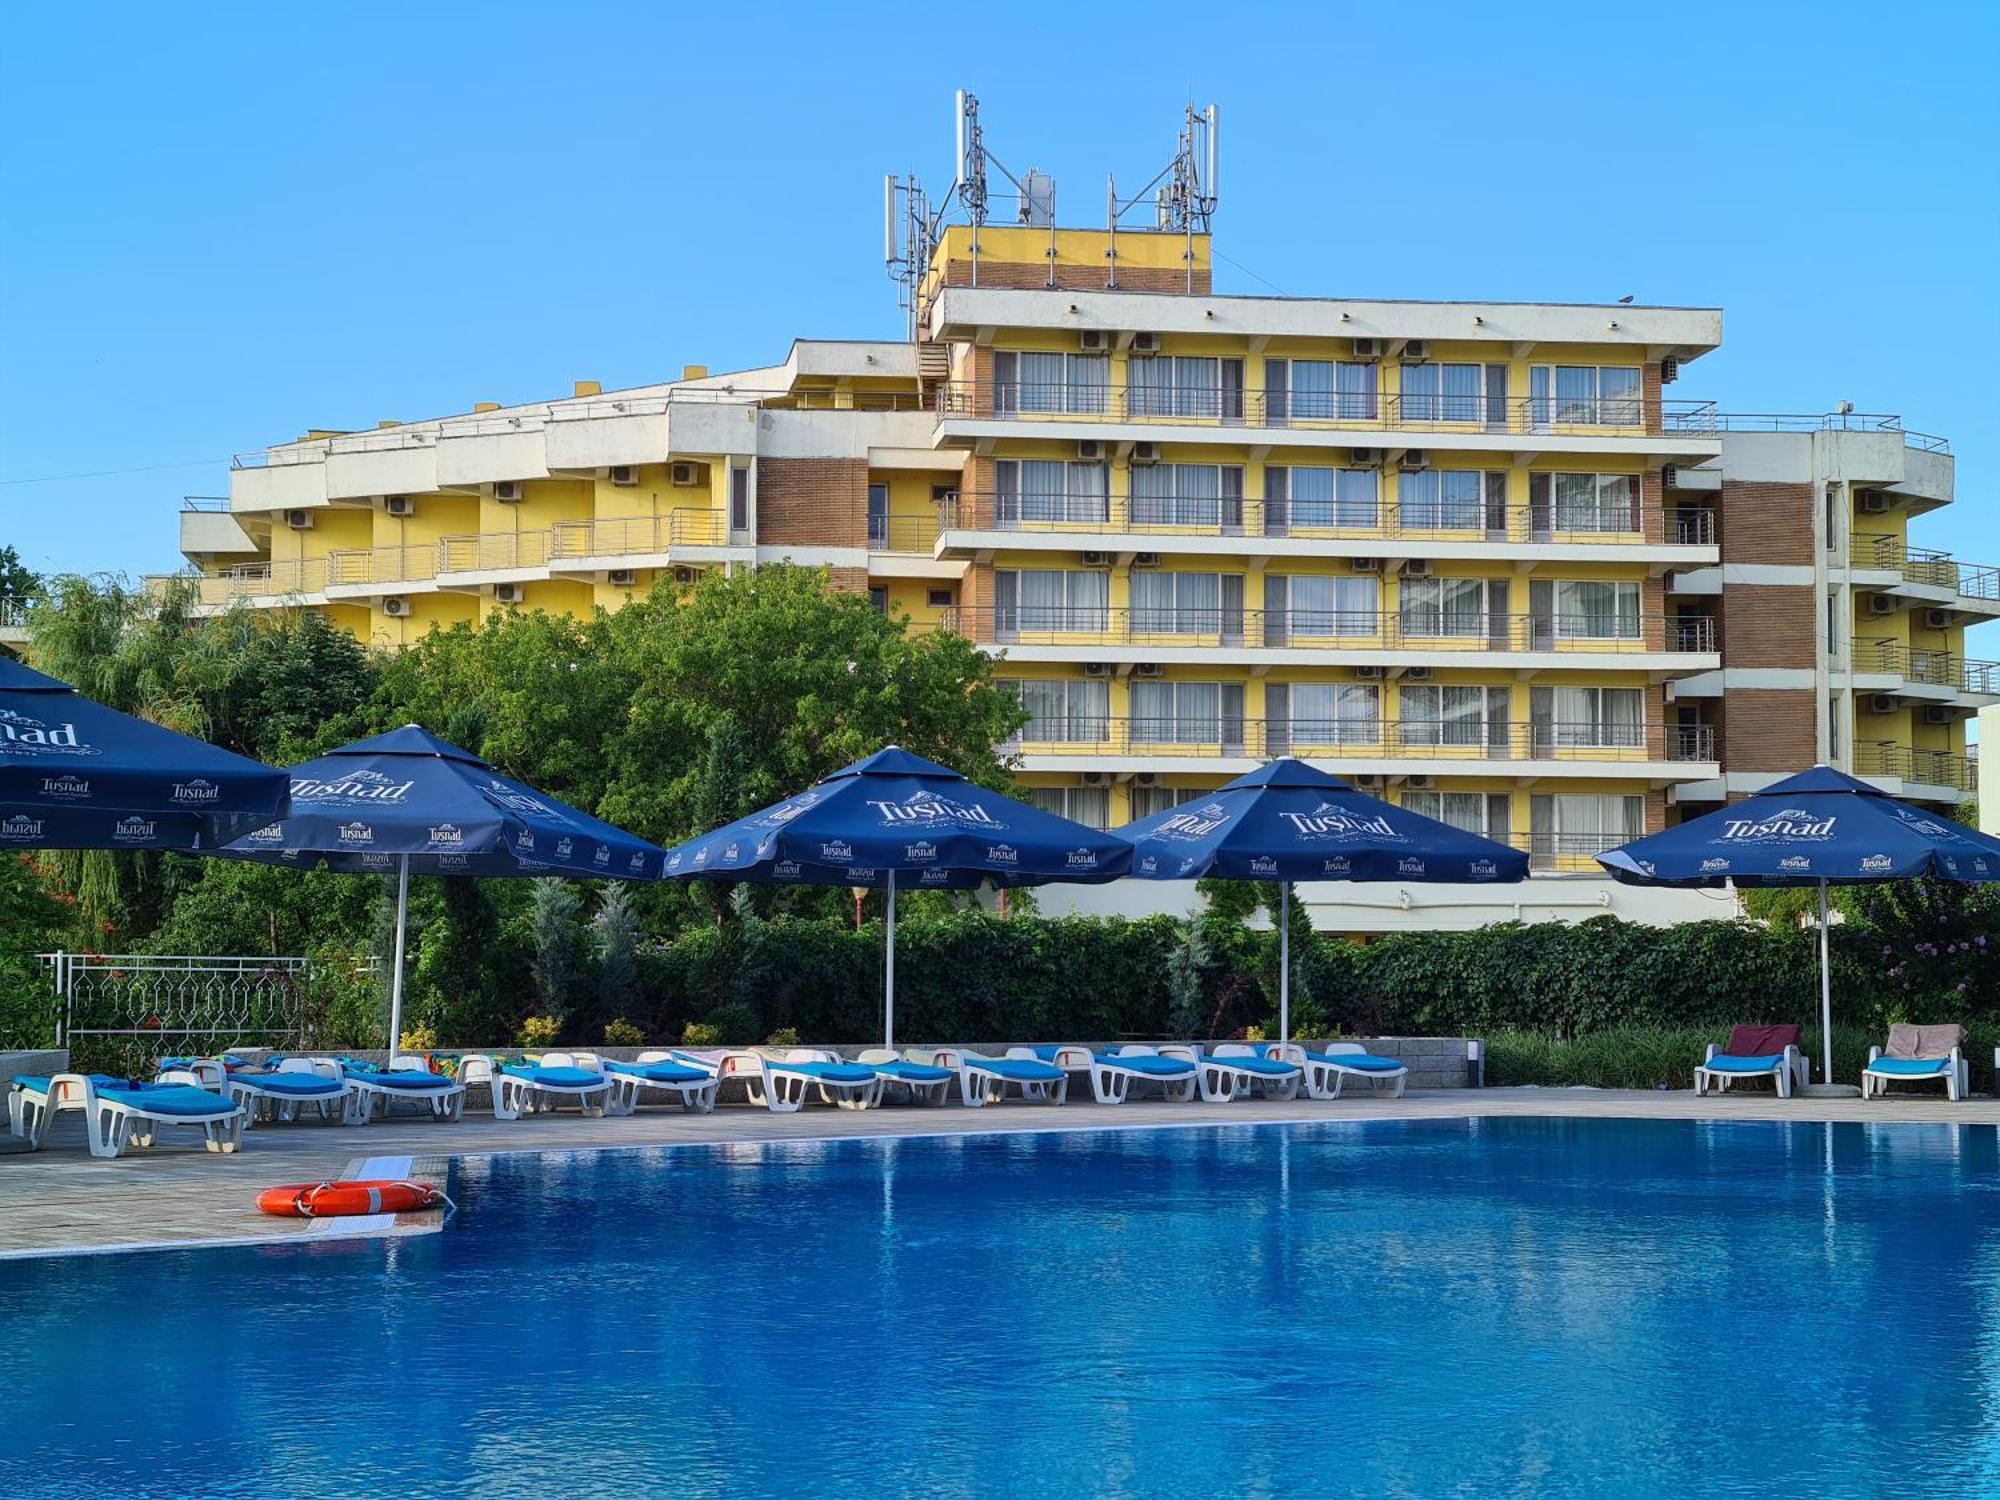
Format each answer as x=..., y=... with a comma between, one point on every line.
x=1664, y=643
x=493, y=556
x=1972, y=587
x=13, y=620
x=1935, y=676
x=1214, y=524
x=1889, y=760
x=1711, y=421
x=357, y=572
x=302, y=579
x=911, y=534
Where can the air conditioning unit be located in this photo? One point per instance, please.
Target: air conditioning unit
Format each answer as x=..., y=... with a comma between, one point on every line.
x=1097, y=559
x=1090, y=450
x=1938, y=714
x=1094, y=778
x=1415, y=350
x=507, y=490
x=395, y=606
x=1097, y=669
x=1365, y=564
x=621, y=578
x=1145, y=343
x=1093, y=340
x=1419, y=783
x=1363, y=457
x=1670, y=477
x=1145, y=453
x=1414, y=567
x=1146, y=778
x=1417, y=674
x=1367, y=348
x=1670, y=369
x=624, y=475
x=1368, y=783
x=1416, y=458
x=1881, y=604
x=399, y=505
x=687, y=575
x=1937, y=619
x=1883, y=703
x=507, y=593
x=682, y=475
x=1872, y=503
x=1149, y=669
x=1369, y=674
x=1145, y=559
x=299, y=520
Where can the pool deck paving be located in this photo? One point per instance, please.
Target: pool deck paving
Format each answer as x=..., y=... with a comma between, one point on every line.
x=61, y=1200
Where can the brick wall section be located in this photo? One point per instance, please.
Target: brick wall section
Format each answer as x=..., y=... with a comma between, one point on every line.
x=1034, y=275
x=848, y=580
x=812, y=502
x=1768, y=625
x=1767, y=729
x=1656, y=811
x=975, y=593
x=1766, y=522
x=1652, y=519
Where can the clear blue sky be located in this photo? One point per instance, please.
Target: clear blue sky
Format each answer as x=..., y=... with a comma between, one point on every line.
x=226, y=223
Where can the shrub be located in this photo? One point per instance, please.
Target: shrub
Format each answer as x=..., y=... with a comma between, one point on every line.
x=622, y=1033
x=537, y=1031
x=784, y=1036
x=700, y=1034
x=418, y=1039
x=736, y=1025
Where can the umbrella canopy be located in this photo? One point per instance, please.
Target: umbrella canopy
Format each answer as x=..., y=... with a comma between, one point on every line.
x=77, y=775
x=1819, y=828
x=898, y=818
x=407, y=801
x=1289, y=821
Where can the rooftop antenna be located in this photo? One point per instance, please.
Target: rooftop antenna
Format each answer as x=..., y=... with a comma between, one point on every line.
x=1182, y=194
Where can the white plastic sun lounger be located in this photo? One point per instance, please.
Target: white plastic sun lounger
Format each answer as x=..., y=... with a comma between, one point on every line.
x=32, y=1101
x=538, y=1087
x=118, y=1115
x=789, y=1080
x=407, y=1080
x=908, y=1078
x=1114, y=1074
x=985, y=1080
x=282, y=1093
x=658, y=1072
x=1252, y=1069
x=1344, y=1062
x=1919, y=1054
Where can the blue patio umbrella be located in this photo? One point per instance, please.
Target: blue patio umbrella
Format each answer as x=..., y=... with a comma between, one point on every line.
x=408, y=802
x=1288, y=821
x=1819, y=828
x=77, y=775
x=898, y=819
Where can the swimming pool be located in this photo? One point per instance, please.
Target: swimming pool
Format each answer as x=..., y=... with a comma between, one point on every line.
x=1421, y=1308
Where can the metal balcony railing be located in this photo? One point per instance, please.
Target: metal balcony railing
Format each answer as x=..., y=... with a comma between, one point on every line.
x=13, y=612
x=1927, y=668
x=1711, y=421
x=1226, y=736
x=353, y=566
x=493, y=551
x=903, y=533
x=1926, y=566
x=1348, y=630
x=205, y=503
x=1347, y=410
x=1933, y=767
x=1212, y=515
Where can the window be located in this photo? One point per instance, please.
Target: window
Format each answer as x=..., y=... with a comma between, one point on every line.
x=1320, y=606
x=1035, y=599
x=1148, y=800
x=1441, y=499
x=1319, y=390
x=1485, y=814
x=1322, y=713
x=1179, y=385
x=1188, y=713
x=1186, y=603
x=1573, y=610
x=1579, y=826
x=1302, y=496
x=1040, y=492
x=1025, y=382
x=1442, y=393
x=1187, y=495
x=1431, y=607
x=878, y=515
x=1457, y=716
x=1065, y=710
x=1586, y=395
x=1583, y=502
x=739, y=499
x=940, y=598
x=1588, y=716
x=880, y=599
x=1088, y=805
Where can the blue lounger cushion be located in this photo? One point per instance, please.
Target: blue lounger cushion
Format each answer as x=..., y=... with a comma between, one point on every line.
x=1017, y=1069
x=660, y=1072
x=1722, y=1062
x=292, y=1085
x=1365, y=1062
x=168, y=1099
x=1262, y=1066
x=1151, y=1066
x=1910, y=1067
x=36, y=1085
x=827, y=1072
x=558, y=1078
x=416, y=1080
x=913, y=1072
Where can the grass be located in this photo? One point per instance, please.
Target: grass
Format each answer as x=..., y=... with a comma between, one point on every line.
x=1650, y=1057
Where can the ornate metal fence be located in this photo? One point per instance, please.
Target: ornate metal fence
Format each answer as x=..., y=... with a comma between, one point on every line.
x=121, y=1012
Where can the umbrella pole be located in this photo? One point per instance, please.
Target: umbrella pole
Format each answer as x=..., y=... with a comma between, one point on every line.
x=1825, y=992
x=396, y=974
x=1284, y=960
x=889, y=971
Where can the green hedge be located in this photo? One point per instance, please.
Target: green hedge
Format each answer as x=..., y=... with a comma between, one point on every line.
x=1650, y=1057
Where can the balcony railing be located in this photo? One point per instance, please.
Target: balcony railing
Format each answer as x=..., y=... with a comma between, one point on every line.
x=13, y=612
x=1210, y=515
x=263, y=580
x=1223, y=736
x=1765, y=421
x=1933, y=767
x=353, y=566
x=904, y=533
x=1925, y=566
x=493, y=551
x=1336, y=630
x=1917, y=664
x=1343, y=410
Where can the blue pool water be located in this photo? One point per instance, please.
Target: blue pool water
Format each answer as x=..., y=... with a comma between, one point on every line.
x=1503, y=1307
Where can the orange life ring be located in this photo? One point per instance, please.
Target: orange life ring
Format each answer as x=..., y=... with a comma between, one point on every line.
x=320, y=1200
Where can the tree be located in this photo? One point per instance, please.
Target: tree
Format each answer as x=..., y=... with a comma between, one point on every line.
x=614, y=933
x=552, y=919
x=17, y=579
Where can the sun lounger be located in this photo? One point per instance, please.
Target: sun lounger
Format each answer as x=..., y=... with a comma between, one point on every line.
x=1343, y=1062
x=1257, y=1070
x=1919, y=1054
x=280, y=1093
x=788, y=1081
x=121, y=1113
x=1114, y=1074
x=33, y=1101
x=406, y=1081
x=536, y=1087
x=1754, y=1052
x=903, y=1077
x=985, y=1080
x=694, y=1087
